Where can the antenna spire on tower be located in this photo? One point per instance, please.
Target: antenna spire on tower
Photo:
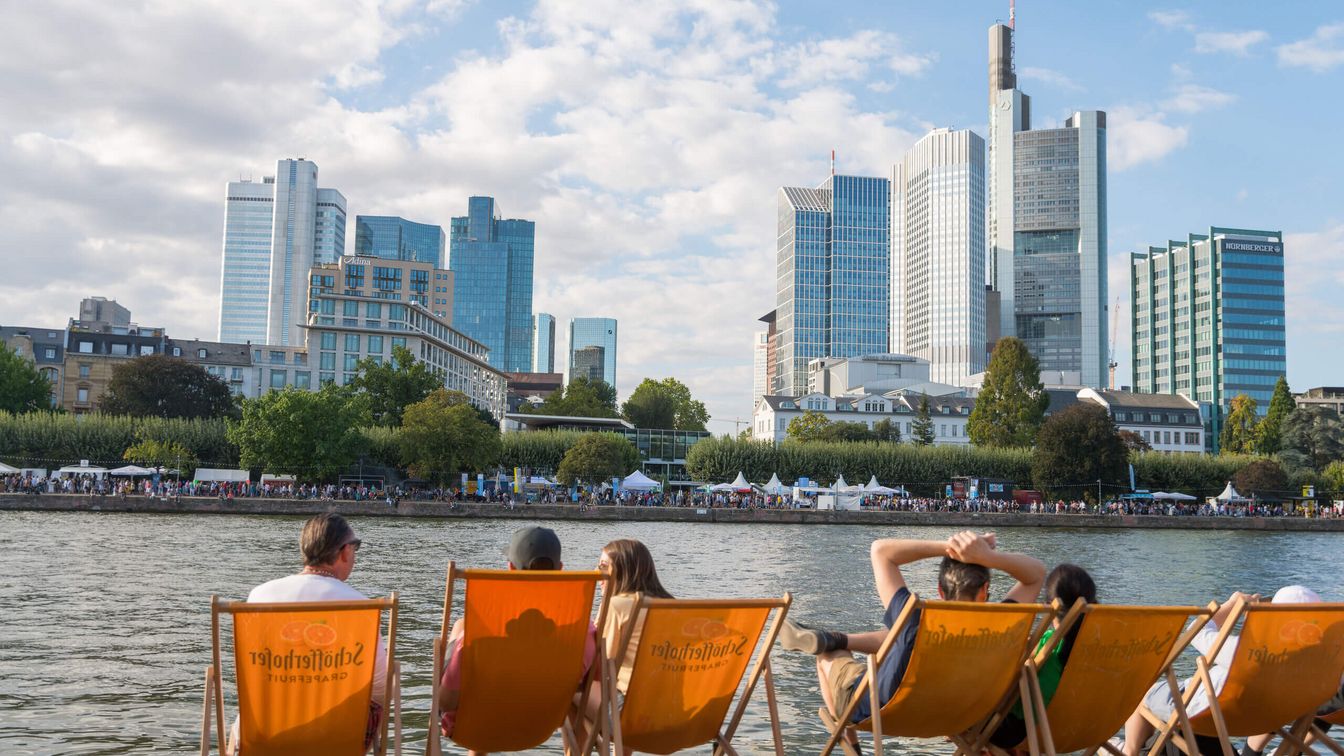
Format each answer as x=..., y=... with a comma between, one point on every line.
x=832, y=162
x=1012, y=13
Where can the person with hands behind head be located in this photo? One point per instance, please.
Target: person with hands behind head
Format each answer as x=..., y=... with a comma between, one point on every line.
x=963, y=575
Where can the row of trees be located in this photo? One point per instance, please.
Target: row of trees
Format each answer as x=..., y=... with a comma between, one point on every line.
x=665, y=404
x=816, y=426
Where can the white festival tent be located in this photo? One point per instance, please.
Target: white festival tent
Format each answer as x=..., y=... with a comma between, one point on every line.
x=209, y=474
x=1173, y=496
x=874, y=487
x=638, y=481
x=1230, y=494
x=842, y=487
x=775, y=486
x=739, y=484
x=130, y=471
x=82, y=470
x=7, y=470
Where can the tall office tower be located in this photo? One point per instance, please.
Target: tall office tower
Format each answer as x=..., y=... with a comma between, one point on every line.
x=1208, y=319
x=1046, y=225
x=771, y=354
x=592, y=349
x=833, y=280
x=394, y=238
x=492, y=262
x=938, y=254
x=543, y=346
x=760, y=349
x=245, y=276
x=308, y=228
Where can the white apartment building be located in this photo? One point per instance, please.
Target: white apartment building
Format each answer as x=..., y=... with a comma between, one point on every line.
x=772, y=415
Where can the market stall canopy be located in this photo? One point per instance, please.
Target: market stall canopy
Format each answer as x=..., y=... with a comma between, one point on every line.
x=878, y=489
x=739, y=484
x=77, y=469
x=271, y=478
x=774, y=486
x=211, y=474
x=130, y=471
x=638, y=481
x=1230, y=494
x=7, y=470
x=1173, y=496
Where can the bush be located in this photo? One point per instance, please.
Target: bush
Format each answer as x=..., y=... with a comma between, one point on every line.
x=1263, y=478
x=46, y=439
x=540, y=451
x=1200, y=475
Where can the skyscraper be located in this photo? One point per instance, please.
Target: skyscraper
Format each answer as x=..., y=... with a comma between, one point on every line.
x=592, y=349
x=492, y=299
x=245, y=275
x=938, y=254
x=760, y=350
x=394, y=238
x=833, y=276
x=1208, y=319
x=1046, y=229
x=543, y=347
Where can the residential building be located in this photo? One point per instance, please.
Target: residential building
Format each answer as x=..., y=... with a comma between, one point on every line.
x=543, y=344
x=394, y=238
x=1208, y=319
x=491, y=260
x=772, y=414
x=231, y=363
x=1169, y=423
x=760, y=351
x=938, y=254
x=92, y=350
x=1331, y=397
x=44, y=347
x=592, y=349
x=833, y=279
x=874, y=374
x=662, y=453
x=1046, y=225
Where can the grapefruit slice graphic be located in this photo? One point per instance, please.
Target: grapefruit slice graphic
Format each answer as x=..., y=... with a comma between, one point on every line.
x=1288, y=631
x=1309, y=634
x=713, y=630
x=320, y=635
x=292, y=632
x=693, y=626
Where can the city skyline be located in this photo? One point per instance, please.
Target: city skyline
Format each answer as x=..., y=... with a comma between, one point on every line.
x=649, y=196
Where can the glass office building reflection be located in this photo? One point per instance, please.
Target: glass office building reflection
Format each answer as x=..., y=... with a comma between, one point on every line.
x=592, y=349
x=1208, y=319
x=394, y=238
x=832, y=287
x=543, y=344
x=491, y=260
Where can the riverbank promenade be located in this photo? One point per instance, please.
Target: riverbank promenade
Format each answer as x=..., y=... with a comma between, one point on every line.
x=421, y=509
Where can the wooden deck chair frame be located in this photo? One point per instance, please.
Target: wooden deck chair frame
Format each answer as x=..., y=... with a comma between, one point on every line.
x=970, y=742
x=1195, y=619
x=1293, y=735
x=1322, y=737
x=607, y=735
x=434, y=743
x=214, y=694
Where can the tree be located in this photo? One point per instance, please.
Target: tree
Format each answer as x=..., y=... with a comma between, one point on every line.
x=1334, y=477
x=808, y=427
x=157, y=385
x=167, y=454
x=665, y=404
x=1269, y=434
x=22, y=387
x=443, y=434
x=1075, y=448
x=597, y=457
x=887, y=430
x=393, y=385
x=311, y=434
x=1012, y=400
x=1313, y=437
x=1239, y=435
x=581, y=398
x=921, y=431
x=1264, y=478
x=1134, y=442
x=846, y=431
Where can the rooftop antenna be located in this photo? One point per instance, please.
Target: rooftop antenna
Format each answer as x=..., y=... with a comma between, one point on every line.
x=1012, y=13
x=832, y=162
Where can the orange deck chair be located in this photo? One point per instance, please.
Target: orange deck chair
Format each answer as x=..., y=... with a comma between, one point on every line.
x=1287, y=663
x=1119, y=652
x=968, y=656
x=524, y=633
x=691, y=659
x=1334, y=718
x=305, y=677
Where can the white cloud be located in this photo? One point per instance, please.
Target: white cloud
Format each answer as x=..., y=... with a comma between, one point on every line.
x=848, y=59
x=1177, y=19
x=1313, y=277
x=1193, y=98
x=1237, y=43
x=1138, y=135
x=1320, y=52
x=1052, y=78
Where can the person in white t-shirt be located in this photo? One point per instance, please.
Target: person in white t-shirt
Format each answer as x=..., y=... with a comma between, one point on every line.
x=329, y=545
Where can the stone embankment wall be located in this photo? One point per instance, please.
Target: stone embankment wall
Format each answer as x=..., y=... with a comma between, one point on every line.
x=407, y=508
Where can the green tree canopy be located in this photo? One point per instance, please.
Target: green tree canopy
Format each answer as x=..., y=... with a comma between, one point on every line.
x=1264, y=478
x=581, y=398
x=157, y=385
x=1134, y=442
x=22, y=387
x=167, y=454
x=665, y=404
x=597, y=457
x=921, y=431
x=314, y=435
x=808, y=426
x=1313, y=437
x=847, y=431
x=887, y=430
x=1075, y=448
x=393, y=385
x=1269, y=434
x=1239, y=436
x=1012, y=401
x=1334, y=477
x=443, y=434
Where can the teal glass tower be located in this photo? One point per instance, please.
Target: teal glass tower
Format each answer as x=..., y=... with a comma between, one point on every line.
x=491, y=259
x=393, y=238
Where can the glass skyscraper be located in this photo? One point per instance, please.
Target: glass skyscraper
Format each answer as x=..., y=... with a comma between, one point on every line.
x=1208, y=319
x=245, y=277
x=543, y=347
x=491, y=260
x=394, y=238
x=833, y=277
x=592, y=349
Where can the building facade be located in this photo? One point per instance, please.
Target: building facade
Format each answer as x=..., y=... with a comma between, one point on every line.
x=93, y=350
x=245, y=275
x=1330, y=397
x=772, y=415
x=662, y=453
x=938, y=254
x=395, y=238
x=45, y=348
x=833, y=277
x=543, y=344
x=1169, y=423
x=1208, y=319
x=491, y=259
x=1046, y=225
x=230, y=363
x=592, y=349
x=771, y=353
x=760, y=370
x=874, y=374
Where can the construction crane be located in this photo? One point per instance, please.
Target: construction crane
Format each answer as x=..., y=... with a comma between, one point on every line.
x=1115, y=322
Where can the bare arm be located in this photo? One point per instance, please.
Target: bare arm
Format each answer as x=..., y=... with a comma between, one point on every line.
x=980, y=549
x=1220, y=617
x=889, y=554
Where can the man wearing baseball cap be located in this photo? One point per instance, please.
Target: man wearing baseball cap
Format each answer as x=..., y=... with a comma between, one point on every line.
x=530, y=548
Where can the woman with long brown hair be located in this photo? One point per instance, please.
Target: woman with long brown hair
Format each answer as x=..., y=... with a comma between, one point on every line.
x=630, y=566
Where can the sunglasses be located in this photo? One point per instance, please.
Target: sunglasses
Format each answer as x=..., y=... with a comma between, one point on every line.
x=356, y=543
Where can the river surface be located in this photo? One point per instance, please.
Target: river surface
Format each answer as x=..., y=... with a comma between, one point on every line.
x=105, y=618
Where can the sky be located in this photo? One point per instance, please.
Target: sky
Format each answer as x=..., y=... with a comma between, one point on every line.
x=647, y=140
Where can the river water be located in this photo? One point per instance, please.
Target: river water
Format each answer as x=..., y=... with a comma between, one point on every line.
x=105, y=619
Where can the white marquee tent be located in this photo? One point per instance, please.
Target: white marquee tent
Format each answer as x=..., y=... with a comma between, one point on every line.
x=775, y=486
x=739, y=484
x=130, y=471
x=1230, y=494
x=638, y=481
x=7, y=470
